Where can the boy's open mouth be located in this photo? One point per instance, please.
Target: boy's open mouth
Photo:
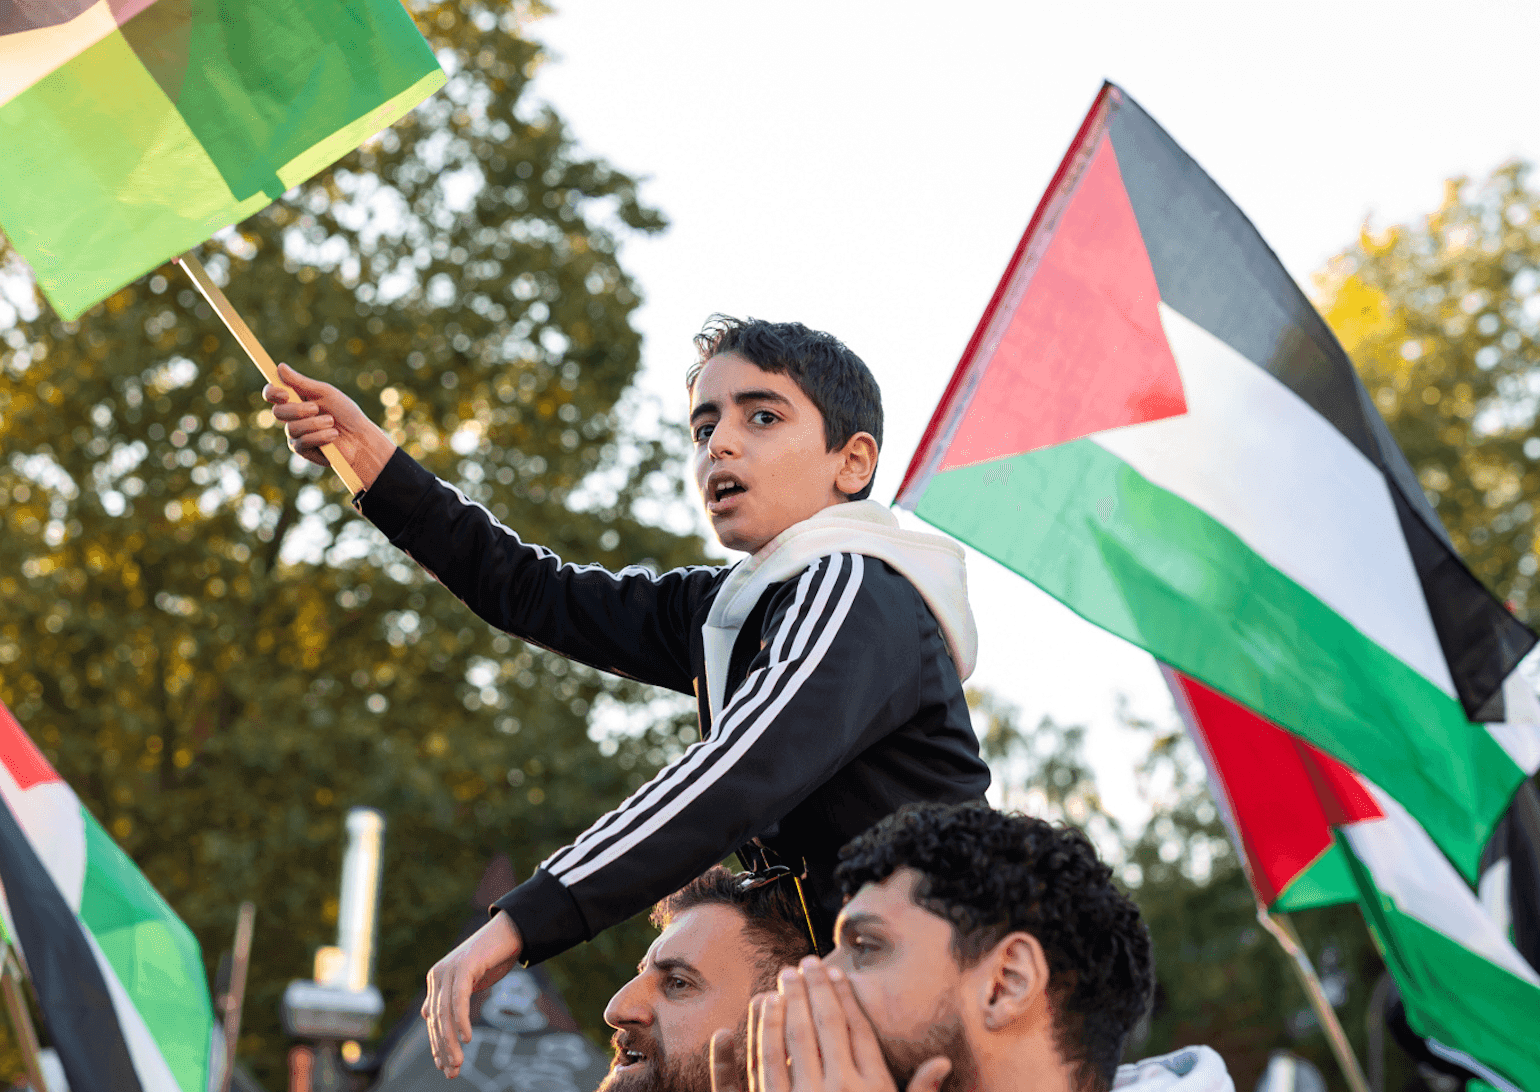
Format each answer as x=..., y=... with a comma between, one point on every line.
x=720, y=489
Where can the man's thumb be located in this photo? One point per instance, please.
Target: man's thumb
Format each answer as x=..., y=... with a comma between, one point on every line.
x=929, y=1076
x=726, y=1069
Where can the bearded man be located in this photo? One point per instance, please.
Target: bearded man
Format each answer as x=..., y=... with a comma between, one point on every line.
x=723, y=938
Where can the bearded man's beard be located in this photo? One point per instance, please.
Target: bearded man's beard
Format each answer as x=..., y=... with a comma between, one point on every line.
x=944, y=1040
x=660, y=1072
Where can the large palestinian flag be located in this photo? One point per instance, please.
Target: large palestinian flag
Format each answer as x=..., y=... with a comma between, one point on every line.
x=118, y=976
x=1313, y=832
x=1153, y=424
x=135, y=129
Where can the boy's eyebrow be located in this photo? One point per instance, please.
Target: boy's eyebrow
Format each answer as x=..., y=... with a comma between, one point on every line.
x=740, y=398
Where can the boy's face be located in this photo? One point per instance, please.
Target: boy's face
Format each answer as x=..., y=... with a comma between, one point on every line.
x=761, y=461
x=697, y=976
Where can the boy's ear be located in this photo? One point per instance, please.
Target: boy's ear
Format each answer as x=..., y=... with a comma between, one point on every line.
x=858, y=463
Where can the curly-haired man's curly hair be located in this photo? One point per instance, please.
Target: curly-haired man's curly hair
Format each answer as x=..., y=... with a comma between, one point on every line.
x=991, y=873
x=834, y=379
x=773, y=922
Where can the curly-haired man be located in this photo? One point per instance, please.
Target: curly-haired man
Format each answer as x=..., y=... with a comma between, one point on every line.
x=982, y=948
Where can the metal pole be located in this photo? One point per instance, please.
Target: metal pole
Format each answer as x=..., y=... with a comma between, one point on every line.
x=21, y=1020
x=1283, y=932
x=1374, y=1028
x=240, y=960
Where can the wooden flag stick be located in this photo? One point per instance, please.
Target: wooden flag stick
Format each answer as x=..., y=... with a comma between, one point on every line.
x=21, y=1019
x=240, y=959
x=1283, y=932
x=237, y=326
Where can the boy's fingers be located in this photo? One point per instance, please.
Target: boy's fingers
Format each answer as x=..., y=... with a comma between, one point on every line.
x=303, y=385
x=441, y=1037
x=295, y=411
x=800, y=1034
x=865, y=1051
x=726, y=1069
x=929, y=1076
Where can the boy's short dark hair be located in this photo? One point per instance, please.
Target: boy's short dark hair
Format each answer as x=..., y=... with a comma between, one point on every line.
x=773, y=920
x=834, y=379
x=991, y=873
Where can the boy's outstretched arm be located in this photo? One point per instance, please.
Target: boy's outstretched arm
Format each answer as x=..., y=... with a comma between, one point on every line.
x=630, y=623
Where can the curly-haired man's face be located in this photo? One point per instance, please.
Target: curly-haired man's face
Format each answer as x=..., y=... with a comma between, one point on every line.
x=697, y=976
x=898, y=957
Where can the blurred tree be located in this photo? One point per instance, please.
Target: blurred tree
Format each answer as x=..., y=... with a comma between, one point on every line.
x=218, y=657
x=1442, y=319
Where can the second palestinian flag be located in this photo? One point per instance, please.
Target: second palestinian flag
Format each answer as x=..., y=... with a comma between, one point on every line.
x=118, y=976
x=1153, y=424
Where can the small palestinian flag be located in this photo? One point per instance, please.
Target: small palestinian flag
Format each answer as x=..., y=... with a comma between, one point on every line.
x=1153, y=424
x=118, y=976
x=1313, y=832
x=135, y=129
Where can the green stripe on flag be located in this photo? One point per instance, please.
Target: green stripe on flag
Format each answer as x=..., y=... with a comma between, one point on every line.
x=288, y=76
x=155, y=955
x=128, y=185
x=1145, y=564
x=1451, y=993
x=1325, y=881
x=191, y=118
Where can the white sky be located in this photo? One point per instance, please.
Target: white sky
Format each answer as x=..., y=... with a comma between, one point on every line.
x=867, y=168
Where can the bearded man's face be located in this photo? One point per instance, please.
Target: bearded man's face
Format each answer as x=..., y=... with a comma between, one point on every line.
x=697, y=976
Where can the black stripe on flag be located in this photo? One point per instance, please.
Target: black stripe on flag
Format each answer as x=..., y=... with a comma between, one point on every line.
x=77, y=1008
x=1213, y=266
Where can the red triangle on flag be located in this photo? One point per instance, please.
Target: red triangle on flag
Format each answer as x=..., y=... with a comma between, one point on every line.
x=1284, y=794
x=20, y=755
x=1083, y=349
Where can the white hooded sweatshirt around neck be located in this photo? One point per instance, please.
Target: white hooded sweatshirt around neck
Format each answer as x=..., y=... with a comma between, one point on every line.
x=933, y=564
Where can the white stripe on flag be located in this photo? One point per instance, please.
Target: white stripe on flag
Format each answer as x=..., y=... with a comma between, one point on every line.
x=1519, y=732
x=49, y=816
x=1409, y=868
x=1256, y=457
x=154, y=1074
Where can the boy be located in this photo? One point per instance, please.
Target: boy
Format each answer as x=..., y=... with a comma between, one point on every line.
x=827, y=665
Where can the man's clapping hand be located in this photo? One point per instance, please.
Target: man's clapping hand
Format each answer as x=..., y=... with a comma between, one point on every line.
x=811, y=1036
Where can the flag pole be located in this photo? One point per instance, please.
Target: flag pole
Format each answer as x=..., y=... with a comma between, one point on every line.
x=240, y=959
x=21, y=1019
x=1283, y=932
x=259, y=356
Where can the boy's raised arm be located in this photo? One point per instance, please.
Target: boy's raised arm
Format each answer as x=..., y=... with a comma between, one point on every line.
x=629, y=623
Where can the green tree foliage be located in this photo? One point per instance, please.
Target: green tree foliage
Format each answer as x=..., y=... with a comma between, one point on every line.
x=1442, y=319
x=1221, y=979
x=219, y=657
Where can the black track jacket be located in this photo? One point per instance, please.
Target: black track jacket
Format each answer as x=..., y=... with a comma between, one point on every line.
x=842, y=703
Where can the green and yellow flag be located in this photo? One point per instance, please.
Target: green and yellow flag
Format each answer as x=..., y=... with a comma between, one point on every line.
x=132, y=130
